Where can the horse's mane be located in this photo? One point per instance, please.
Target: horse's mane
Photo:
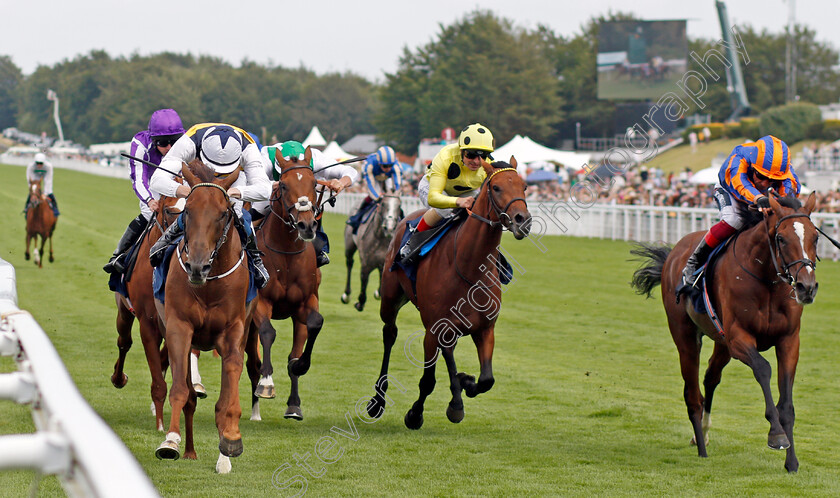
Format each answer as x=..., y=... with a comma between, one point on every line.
x=500, y=164
x=755, y=217
x=202, y=171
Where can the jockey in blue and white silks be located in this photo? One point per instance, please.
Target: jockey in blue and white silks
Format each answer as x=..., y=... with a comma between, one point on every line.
x=378, y=169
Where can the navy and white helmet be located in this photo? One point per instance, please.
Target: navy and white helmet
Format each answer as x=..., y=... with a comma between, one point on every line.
x=221, y=149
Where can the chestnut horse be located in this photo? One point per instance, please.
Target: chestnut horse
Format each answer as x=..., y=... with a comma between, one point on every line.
x=757, y=286
x=460, y=270
x=40, y=221
x=371, y=240
x=289, y=256
x=206, y=290
x=141, y=304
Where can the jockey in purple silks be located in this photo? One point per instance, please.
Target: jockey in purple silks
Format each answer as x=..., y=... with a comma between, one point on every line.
x=150, y=145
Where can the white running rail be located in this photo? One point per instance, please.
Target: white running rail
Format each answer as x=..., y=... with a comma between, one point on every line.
x=72, y=441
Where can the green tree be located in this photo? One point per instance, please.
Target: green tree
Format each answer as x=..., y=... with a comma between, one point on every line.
x=481, y=69
x=10, y=79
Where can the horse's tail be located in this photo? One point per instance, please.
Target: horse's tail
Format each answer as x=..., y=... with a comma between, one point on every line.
x=649, y=275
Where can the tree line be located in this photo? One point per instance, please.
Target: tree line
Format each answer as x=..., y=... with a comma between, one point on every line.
x=480, y=68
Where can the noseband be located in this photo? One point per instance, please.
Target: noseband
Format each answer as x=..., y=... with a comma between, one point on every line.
x=783, y=272
x=302, y=204
x=500, y=213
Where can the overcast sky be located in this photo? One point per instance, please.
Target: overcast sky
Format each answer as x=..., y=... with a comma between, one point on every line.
x=363, y=36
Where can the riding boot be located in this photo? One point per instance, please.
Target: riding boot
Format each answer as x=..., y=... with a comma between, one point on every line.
x=697, y=258
x=261, y=274
x=322, y=246
x=132, y=233
x=53, y=205
x=410, y=252
x=171, y=234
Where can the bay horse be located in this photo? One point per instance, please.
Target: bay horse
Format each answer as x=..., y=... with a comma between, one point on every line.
x=40, y=222
x=458, y=291
x=371, y=240
x=285, y=237
x=141, y=305
x=758, y=287
x=205, y=293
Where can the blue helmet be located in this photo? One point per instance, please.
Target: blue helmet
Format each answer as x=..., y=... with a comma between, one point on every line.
x=386, y=155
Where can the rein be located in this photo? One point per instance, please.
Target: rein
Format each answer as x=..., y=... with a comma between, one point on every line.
x=219, y=243
x=784, y=273
x=493, y=207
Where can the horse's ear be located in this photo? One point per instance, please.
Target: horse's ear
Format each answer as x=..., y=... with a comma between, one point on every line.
x=774, y=204
x=811, y=203
x=307, y=156
x=227, y=182
x=512, y=162
x=189, y=176
x=488, y=168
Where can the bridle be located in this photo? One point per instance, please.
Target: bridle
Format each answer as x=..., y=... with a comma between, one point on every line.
x=384, y=216
x=229, y=214
x=783, y=272
x=302, y=204
x=501, y=214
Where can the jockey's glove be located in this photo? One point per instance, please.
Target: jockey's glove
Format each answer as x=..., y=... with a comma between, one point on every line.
x=762, y=201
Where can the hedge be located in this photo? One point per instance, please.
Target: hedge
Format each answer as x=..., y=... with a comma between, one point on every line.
x=791, y=123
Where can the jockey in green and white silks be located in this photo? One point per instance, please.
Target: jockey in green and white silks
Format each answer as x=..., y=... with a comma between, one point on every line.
x=41, y=170
x=339, y=177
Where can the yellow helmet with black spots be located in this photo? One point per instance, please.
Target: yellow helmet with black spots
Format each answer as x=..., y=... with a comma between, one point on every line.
x=477, y=137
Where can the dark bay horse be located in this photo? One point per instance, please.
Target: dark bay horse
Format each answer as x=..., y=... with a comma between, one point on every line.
x=458, y=291
x=40, y=222
x=371, y=240
x=206, y=290
x=758, y=287
x=285, y=237
x=141, y=304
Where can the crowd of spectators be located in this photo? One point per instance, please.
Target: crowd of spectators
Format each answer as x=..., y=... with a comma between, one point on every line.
x=821, y=158
x=639, y=186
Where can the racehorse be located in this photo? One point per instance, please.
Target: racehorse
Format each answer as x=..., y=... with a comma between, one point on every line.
x=371, y=240
x=758, y=287
x=285, y=238
x=141, y=304
x=461, y=269
x=40, y=221
x=205, y=307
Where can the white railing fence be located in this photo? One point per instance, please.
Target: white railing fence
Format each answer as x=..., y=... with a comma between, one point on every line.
x=72, y=441
x=617, y=222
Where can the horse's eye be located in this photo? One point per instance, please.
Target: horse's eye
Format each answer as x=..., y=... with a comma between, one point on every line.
x=496, y=189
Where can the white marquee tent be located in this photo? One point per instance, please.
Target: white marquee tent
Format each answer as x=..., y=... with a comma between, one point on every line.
x=314, y=138
x=335, y=153
x=527, y=151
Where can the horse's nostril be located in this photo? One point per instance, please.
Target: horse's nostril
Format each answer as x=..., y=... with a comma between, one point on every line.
x=301, y=225
x=519, y=218
x=205, y=269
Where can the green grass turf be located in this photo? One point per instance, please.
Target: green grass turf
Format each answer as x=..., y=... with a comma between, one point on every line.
x=587, y=400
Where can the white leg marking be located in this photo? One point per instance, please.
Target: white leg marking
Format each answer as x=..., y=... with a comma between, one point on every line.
x=255, y=412
x=266, y=381
x=196, y=377
x=223, y=464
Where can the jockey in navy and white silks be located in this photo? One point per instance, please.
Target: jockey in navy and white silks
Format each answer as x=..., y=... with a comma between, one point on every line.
x=224, y=148
x=150, y=145
x=339, y=176
x=378, y=169
x=41, y=170
x=744, y=179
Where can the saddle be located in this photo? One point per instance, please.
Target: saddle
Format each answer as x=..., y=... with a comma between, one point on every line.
x=699, y=294
x=118, y=281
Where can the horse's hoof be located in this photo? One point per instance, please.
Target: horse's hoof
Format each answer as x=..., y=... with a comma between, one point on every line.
x=467, y=384
x=778, y=441
x=265, y=391
x=199, y=390
x=344, y=297
x=694, y=440
x=51, y=258
x=119, y=384
x=26, y=256
x=293, y=412
x=376, y=294
x=230, y=448
x=454, y=416
x=223, y=464
x=168, y=450
x=376, y=407
x=413, y=420
x=359, y=306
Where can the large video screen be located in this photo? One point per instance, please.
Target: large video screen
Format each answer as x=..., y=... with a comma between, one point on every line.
x=640, y=59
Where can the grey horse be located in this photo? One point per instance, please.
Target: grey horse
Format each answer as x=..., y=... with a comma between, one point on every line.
x=371, y=240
